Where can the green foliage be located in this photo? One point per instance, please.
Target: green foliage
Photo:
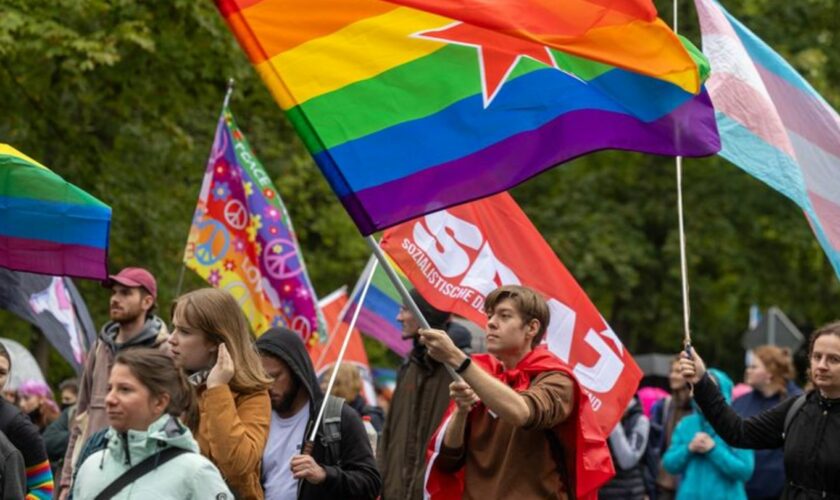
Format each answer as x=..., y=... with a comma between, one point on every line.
x=122, y=97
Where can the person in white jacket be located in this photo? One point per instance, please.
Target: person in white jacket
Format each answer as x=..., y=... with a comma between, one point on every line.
x=146, y=396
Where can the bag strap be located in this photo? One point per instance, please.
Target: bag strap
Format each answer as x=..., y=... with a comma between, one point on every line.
x=791, y=413
x=331, y=438
x=139, y=470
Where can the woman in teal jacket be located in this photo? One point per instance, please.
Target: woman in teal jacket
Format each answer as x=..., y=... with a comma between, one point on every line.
x=146, y=395
x=710, y=468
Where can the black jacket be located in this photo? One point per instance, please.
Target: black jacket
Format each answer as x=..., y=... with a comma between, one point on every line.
x=811, y=445
x=356, y=476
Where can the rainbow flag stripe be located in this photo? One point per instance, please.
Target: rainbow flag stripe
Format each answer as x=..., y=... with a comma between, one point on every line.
x=48, y=225
x=407, y=112
x=378, y=317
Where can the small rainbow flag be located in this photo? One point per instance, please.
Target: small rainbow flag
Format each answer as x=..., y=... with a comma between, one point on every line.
x=407, y=112
x=378, y=317
x=47, y=225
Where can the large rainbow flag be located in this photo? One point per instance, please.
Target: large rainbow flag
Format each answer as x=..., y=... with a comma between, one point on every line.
x=407, y=112
x=773, y=124
x=47, y=225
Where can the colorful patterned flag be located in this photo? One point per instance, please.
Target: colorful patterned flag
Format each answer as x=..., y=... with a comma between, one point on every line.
x=408, y=112
x=242, y=240
x=47, y=225
x=773, y=124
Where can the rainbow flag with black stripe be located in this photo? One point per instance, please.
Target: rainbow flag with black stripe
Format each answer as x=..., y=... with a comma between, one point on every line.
x=408, y=112
x=48, y=225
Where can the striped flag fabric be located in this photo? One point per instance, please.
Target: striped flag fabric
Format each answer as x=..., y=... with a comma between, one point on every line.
x=772, y=122
x=408, y=111
x=378, y=317
x=48, y=225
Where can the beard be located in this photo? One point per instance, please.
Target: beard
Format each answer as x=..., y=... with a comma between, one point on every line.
x=125, y=315
x=284, y=404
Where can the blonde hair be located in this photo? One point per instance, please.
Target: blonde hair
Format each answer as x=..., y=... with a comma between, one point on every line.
x=778, y=364
x=217, y=314
x=348, y=382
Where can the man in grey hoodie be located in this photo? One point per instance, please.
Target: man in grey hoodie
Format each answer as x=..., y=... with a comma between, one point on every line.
x=133, y=324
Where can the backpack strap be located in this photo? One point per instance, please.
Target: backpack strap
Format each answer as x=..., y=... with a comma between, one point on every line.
x=331, y=425
x=139, y=470
x=791, y=413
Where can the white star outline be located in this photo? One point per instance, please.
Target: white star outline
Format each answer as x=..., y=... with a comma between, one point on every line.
x=487, y=100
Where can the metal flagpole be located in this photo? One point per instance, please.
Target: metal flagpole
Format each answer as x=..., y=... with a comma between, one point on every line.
x=344, y=345
x=392, y=275
x=229, y=92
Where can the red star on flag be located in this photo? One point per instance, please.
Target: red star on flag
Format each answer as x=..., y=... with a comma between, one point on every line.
x=498, y=53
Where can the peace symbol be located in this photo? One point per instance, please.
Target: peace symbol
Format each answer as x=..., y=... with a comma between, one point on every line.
x=301, y=325
x=236, y=215
x=283, y=264
x=215, y=245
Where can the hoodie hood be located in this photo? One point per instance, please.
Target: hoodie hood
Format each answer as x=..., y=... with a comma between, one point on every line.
x=288, y=346
x=153, y=333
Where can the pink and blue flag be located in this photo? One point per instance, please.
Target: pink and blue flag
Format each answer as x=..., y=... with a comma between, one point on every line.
x=772, y=122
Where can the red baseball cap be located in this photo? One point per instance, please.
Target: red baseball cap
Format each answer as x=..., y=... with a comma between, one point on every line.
x=134, y=277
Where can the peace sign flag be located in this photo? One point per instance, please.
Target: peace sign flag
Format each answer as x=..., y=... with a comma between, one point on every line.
x=242, y=239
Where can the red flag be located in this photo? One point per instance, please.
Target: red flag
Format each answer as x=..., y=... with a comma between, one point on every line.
x=457, y=256
x=325, y=354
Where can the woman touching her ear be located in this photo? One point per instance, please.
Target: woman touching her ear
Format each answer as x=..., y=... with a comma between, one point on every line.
x=211, y=341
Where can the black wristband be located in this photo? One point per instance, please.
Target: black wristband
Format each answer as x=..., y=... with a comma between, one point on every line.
x=463, y=366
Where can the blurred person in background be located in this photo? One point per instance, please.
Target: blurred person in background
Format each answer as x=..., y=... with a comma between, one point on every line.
x=664, y=417
x=348, y=385
x=24, y=436
x=769, y=373
x=628, y=442
x=36, y=400
x=68, y=392
x=711, y=468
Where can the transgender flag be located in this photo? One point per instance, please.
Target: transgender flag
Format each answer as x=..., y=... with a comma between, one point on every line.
x=772, y=123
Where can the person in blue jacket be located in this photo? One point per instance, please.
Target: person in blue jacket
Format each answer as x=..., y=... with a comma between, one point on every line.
x=710, y=468
x=769, y=371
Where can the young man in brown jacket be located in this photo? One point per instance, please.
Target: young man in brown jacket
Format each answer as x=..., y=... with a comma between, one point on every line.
x=514, y=428
x=133, y=324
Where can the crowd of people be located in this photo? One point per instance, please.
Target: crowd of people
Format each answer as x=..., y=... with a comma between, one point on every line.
x=196, y=407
